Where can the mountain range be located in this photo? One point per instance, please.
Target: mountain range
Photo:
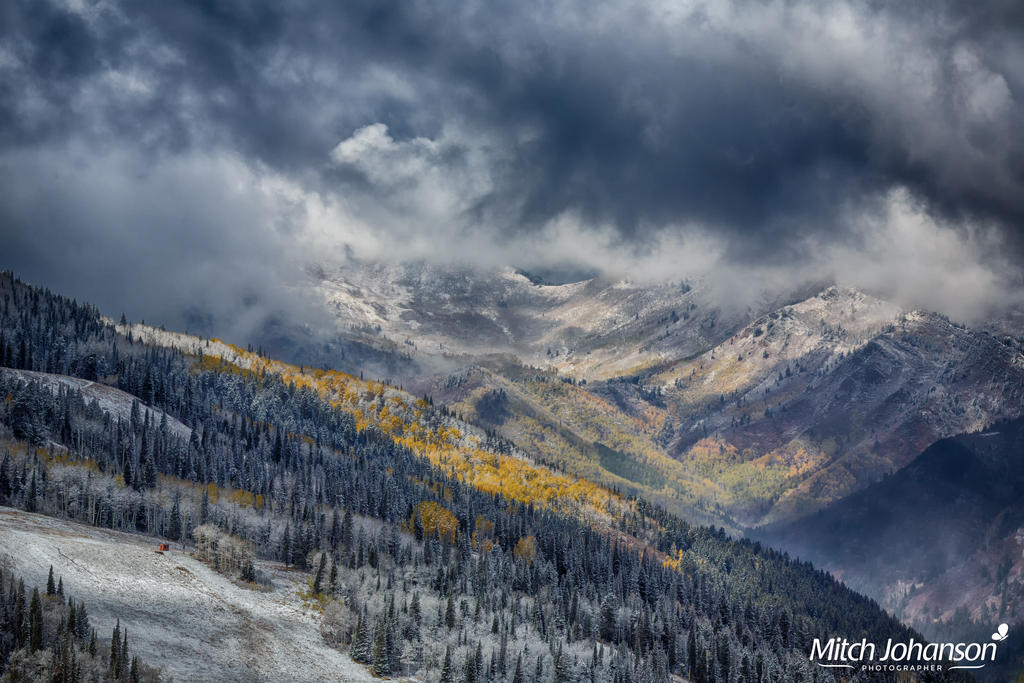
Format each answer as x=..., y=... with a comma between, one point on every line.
x=880, y=443
x=766, y=413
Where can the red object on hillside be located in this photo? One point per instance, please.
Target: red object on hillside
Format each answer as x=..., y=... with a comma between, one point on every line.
x=163, y=547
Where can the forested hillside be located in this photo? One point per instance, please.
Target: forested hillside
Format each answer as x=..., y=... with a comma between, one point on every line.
x=433, y=550
x=45, y=635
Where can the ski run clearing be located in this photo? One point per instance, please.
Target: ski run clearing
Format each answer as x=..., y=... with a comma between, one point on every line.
x=181, y=615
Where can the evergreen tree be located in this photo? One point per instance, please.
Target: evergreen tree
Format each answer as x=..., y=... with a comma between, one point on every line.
x=414, y=609
x=35, y=620
x=447, y=675
x=82, y=627
x=562, y=667
x=319, y=577
x=381, y=661
x=691, y=651
x=123, y=653
x=469, y=668
x=517, y=675
x=174, y=526
x=115, y=652
x=33, y=495
x=357, y=649
x=608, y=625
x=449, y=612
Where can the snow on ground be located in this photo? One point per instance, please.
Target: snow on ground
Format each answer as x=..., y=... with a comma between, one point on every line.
x=111, y=400
x=181, y=616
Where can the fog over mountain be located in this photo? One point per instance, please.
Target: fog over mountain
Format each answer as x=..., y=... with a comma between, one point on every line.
x=547, y=334
x=176, y=160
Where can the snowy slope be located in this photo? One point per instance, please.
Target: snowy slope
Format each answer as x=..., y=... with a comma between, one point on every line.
x=111, y=400
x=181, y=616
x=594, y=328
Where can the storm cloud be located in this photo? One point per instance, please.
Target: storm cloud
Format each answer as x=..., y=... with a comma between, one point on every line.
x=214, y=150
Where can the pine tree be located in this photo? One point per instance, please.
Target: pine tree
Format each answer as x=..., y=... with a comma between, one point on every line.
x=149, y=471
x=381, y=661
x=123, y=666
x=392, y=641
x=608, y=625
x=415, y=609
x=33, y=495
x=20, y=616
x=35, y=620
x=72, y=621
x=115, y=651
x=449, y=612
x=174, y=526
x=691, y=651
x=127, y=473
x=51, y=587
x=447, y=675
x=517, y=676
x=355, y=650
x=319, y=578
x=562, y=668
x=204, y=507
x=469, y=669
x=82, y=622
x=5, y=476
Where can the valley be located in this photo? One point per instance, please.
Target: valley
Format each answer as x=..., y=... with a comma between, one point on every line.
x=413, y=539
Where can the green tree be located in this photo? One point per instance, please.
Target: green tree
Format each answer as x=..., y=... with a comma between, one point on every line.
x=449, y=612
x=319, y=578
x=517, y=676
x=381, y=660
x=358, y=650
x=608, y=621
x=447, y=675
x=35, y=622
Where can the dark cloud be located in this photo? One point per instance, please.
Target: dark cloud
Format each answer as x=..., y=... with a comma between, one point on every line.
x=776, y=129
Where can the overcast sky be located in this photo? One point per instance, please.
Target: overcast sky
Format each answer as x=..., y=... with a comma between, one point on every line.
x=186, y=161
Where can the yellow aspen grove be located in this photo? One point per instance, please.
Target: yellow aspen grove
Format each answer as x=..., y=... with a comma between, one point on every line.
x=436, y=520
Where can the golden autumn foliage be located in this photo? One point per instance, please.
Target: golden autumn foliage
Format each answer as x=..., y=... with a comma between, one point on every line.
x=674, y=561
x=436, y=520
x=404, y=418
x=526, y=549
x=483, y=534
x=67, y=459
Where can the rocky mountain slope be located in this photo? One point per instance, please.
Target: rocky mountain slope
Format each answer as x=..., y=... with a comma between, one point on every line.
x=739, y=416
x=426, y=542
x=943, y=535
x=817, y=399
x=596, y=328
